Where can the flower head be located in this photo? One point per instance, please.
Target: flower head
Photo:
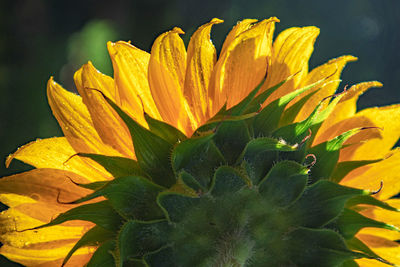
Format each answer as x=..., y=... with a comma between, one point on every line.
x=244, y=159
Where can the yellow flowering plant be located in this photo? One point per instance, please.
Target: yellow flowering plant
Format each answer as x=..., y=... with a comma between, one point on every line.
x=183, y=159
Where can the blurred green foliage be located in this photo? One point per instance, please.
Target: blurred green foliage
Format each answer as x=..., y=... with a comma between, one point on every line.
x=41, y=38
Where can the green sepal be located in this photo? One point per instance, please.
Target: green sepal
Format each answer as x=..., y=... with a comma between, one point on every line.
x=191, y=182
x=369, y=200
x=100, y=213
x=327, y=154
x=95, y=236
x=268, y=119
x=231, y=145
x=199, y=157
x=152, y=151
x=321, y=203
x=169, y=133
x=103, y=256
x=133, y=197
x=226, y=180
x=137, y=239
x=256, y=103
x=290, y=114
x=350, y=222
x=116, y=166
x=317, y=247
x=214, y=122
x=295, y=132
x=176, y=205
x=260, y=154
x=345, y=167
x=284, y=183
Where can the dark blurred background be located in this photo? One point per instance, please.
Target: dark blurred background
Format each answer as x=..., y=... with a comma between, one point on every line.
x=43, y=38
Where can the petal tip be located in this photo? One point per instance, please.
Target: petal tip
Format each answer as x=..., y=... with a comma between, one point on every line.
x=177, y=30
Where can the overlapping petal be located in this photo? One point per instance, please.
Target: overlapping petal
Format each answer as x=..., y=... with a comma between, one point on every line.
x=106, y=121
x=75, y=121
x=242, y=66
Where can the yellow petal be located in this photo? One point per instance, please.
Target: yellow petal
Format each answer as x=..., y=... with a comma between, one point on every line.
x=330, y=72
x=57, y=153
x=243, y=66
x=380, y=141
x=346, y=108
x=46, y=257
x=201, y=58
x=111, y=129
x=44, y=185
x=386, y=249
x=291, y=52
x=75, y=121
x=387, y=170
x=240, y=27
x=167, y=70
x=130, y=74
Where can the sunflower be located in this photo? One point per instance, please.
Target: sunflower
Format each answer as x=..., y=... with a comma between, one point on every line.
x=184, y=159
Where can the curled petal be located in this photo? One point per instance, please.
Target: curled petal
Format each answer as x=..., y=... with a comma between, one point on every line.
x=201, y=59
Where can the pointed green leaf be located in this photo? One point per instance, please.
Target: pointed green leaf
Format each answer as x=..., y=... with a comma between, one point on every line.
x=350, y=222
x=175, y=205
x=284, y=183
x=317, y=247
x=214, y=122
x=103, y=256
x=226, y=180
x=138, y=239
x=199, y=157
x=94, y=236
x=327, y=154
x=345, y=167
x=100, y=213
x=369, y=200
x=133, y=197
x=231, y=145
x=295, y=132
x=256, y=102
x=268, y=119
x=169, y=133
x=117, y=166
x=349, y=263
x=290, y=114
x=260, y=154
x=152, y=151
x=321, y=203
